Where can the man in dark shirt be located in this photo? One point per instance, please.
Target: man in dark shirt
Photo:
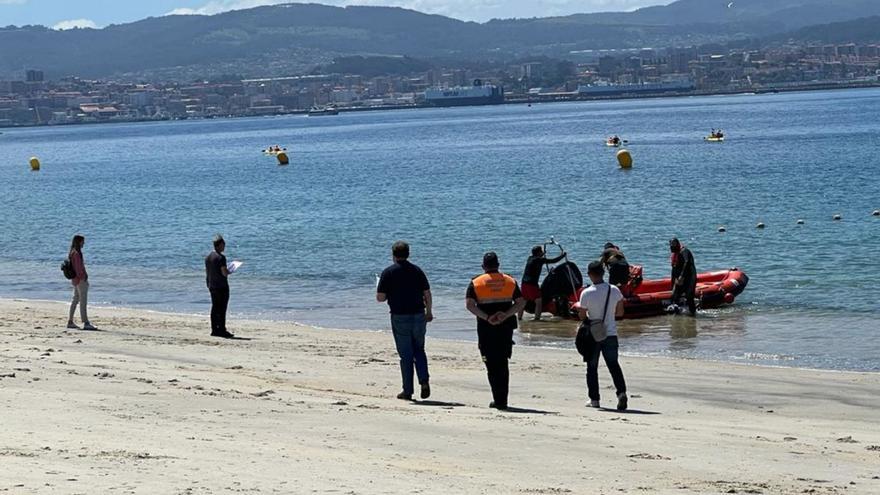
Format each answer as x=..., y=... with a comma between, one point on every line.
x=531, y=279
x=684, y=275
x=216, y=278
x=616, y=264
x=495, y=299
x=405, y=287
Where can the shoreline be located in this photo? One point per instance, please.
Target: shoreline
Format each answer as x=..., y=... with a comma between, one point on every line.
x=523, y=100
x=252, y=320
x=153, y=405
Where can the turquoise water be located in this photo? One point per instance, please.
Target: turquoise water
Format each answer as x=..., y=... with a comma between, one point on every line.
x=458, y=182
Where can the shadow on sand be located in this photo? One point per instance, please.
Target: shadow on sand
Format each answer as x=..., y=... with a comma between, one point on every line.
x=629, y=411
x=522, y=410
x=438, y=403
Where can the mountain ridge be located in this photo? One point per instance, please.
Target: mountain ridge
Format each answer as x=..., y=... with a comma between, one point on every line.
x=292, y=38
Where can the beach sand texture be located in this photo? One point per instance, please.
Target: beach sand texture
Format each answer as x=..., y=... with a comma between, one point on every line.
x=152, y=405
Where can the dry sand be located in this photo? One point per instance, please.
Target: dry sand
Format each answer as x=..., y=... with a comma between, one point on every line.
x=152, y=405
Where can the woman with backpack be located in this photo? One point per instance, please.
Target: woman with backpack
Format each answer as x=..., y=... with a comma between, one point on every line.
x=80, y=283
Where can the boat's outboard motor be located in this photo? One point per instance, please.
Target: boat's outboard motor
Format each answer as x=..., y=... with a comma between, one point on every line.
x=560, y=285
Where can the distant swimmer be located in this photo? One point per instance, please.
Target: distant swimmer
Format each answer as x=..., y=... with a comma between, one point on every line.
x=531, y=279
x=495, y=299
x=405, y=288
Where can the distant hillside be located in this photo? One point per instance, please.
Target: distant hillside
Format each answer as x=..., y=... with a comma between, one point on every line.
x=865, y=30
x=297, y=37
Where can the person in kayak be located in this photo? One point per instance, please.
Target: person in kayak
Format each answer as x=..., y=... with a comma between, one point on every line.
x=615, y=263
x=684, y=275
x=531, y=287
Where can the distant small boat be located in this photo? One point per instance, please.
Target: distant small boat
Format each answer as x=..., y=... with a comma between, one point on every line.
x=714, y=139
x=319, y=111
x=615, y=144
x=274, y=152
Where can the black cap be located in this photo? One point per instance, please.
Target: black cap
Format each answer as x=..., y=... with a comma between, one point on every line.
x=674, y=241
x=490, y=260
x=609, y=245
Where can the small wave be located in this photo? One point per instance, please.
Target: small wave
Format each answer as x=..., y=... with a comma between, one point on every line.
x=760, y=356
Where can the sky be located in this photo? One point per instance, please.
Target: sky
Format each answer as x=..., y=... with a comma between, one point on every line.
x=62, y=14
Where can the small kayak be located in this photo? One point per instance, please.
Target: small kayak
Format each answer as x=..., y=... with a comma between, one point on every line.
x=613, y=145
x=713, y=139
x=275, y=152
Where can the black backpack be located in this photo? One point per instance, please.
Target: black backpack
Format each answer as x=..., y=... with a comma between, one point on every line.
x=67, y=269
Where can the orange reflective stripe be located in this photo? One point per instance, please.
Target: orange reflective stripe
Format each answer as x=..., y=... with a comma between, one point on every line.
x=494, y=288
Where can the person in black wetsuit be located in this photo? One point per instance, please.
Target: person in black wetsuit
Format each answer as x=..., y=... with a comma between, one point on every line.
x=684, y=275
x=616, y=264
x=531, y=279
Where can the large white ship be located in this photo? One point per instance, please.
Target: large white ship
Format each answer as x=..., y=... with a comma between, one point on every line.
x=608, y=89
x=478, y=94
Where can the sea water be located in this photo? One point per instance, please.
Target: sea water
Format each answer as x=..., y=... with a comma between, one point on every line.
x=455, y=183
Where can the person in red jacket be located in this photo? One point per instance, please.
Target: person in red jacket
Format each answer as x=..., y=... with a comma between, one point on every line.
x=80, y=285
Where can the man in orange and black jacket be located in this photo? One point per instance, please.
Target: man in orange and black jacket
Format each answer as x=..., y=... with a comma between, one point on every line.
x=495, y=299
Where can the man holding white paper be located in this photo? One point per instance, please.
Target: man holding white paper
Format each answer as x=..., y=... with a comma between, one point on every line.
x=217, y=271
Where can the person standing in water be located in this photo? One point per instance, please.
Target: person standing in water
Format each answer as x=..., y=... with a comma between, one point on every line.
x=684, y=275
x=495, y=299
x=80, y=283
x=615, y=262
x=531, y=288
x=405, y=288
x=216, y=277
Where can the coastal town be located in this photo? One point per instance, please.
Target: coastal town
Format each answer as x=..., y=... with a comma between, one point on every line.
x=35, y=99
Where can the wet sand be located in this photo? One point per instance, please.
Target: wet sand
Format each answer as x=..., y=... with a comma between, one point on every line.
x=152, y=405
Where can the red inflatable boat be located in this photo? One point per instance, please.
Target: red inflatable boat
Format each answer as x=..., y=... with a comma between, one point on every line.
x=652, y=297
x=714, y=289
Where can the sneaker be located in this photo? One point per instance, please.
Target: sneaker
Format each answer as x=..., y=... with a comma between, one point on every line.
x=223, y=335
x=426, y=391
x=404, y=396
x=594, y=404
x=500, y=407
x=72, y=325
x=89, y=326
x=621, y=402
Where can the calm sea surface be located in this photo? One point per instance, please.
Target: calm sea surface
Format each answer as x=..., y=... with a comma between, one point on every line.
x=458, y=182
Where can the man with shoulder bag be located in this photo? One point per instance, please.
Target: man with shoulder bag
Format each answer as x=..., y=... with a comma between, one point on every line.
x=600, y=306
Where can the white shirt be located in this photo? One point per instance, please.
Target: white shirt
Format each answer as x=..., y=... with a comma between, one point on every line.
x=593, y=300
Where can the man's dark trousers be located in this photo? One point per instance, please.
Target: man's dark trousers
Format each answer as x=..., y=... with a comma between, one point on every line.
x=608, y=348
x=219, y=303
x=496, y=361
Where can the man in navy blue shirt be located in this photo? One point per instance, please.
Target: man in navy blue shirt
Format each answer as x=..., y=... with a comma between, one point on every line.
x=405, y=288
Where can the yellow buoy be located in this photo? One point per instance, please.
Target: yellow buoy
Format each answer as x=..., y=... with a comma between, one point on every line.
x=35, y=163
x=282, y=159
x=624, y=159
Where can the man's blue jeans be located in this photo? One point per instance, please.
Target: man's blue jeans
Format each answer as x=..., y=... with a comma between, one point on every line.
x=409, y=336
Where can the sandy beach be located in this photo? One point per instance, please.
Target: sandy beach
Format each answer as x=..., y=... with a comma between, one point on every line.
x=152, y=405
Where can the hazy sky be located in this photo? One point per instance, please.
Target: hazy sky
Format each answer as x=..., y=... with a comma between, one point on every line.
x=68, y=13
